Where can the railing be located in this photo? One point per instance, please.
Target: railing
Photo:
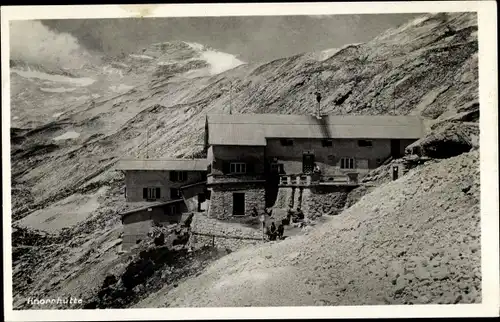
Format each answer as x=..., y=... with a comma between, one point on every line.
x=214, y=236
x=317, y=179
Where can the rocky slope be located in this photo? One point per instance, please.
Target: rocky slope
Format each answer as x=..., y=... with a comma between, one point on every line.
x=412, y=241
x=64, y=168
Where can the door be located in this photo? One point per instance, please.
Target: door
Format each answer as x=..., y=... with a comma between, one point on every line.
x=307, y=162
x=395, y=149
x=238, y=204
x=201, y=200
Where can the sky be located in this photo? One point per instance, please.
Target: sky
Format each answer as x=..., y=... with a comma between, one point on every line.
x=250, y=38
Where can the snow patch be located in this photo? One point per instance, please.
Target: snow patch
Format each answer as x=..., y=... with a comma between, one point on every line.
x=220, y=62
x=111, y=70
x=413, y=23
x=195, y=73
x=56, y=115
x=83, y=81
x=166, y=63
x=121, y=88
x=141, y=56
x=96, y=95
x=15, y=118
x=57, y=90
x=65, y=213
x=327, y=53
x=121, y=64
x=195, y=46
x=68, y=135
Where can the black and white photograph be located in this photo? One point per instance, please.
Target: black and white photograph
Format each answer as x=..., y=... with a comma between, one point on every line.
x=159, y=158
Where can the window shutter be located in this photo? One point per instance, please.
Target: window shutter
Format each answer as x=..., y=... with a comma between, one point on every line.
x=158, y=193
x=145, y=193
x=225, y=167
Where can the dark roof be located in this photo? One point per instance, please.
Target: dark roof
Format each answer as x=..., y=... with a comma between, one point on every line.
x=163, y=164
x=254, y=129
x=139, y=206
x=194, y=184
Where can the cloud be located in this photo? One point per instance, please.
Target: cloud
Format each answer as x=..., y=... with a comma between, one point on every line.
x=35, y=43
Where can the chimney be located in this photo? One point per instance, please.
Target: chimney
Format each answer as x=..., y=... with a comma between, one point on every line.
x=318, y=100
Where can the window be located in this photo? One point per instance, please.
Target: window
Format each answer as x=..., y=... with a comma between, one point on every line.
x=173, y=209
x=238, y=167
x=365, y=143
x=178, y=176
x=347, y=163
x=175, y=193
x=326, y=143
x=277, y=168
x=286, y=142
x=151, y=193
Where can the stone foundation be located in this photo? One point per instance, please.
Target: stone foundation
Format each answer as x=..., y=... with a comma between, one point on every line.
x=320, y=201
x=314, y=201
x=284, y=198
x=221, y=200
x=224, y=235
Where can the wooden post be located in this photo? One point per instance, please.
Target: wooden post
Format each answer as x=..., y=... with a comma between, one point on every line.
x=213, y=241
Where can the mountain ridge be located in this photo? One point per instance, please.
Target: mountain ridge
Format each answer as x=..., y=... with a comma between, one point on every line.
x=422, y=68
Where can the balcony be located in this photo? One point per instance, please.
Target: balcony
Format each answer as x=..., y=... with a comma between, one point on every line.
x=234, y=178
x=302, y=180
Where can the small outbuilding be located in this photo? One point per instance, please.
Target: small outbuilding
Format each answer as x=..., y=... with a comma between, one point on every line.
x=138, y=221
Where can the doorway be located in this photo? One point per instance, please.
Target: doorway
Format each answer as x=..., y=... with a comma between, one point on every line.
x=307, y=162
x=238, y=204
x=395, y=149
x=201, y=200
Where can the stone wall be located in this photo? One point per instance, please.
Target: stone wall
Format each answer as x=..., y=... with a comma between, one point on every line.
x=324, y=200
x=314, y=201
x=223, y=235
x=221, y=199
x=285, y=198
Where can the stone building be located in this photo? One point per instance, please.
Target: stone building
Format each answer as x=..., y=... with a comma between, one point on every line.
x=250, y=156
x=159, y=192
x=258, y=161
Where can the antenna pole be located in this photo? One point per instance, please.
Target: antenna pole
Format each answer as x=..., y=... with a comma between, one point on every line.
x=230, y=98
x=147, y=143
x=317, y=89
x=318, y=96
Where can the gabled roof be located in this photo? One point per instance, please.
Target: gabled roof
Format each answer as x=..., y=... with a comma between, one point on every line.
x=254, y=129
x=163, y=164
